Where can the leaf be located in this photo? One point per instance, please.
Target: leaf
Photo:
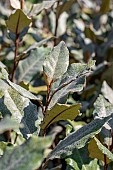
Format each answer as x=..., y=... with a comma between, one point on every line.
x=3, y=72
x=2, y=65
x=21, y=35
x=93, y=165
x=32, y=65
x=15, y=4
x=89, y=33
x=33, y=47
x=73, y=86
x=3, y=146
x=23, y=91
x=20, y=109
x=72, y=81
x=56, y=63
x=27, y=156
x=104, y=149
x=18, y=21
x=95, y=152
x=107, y=92
x=7, y=123
x=81, y=157
x=77, y=139
x=37, y=8
x=68, y=129
x=60, y=112
x=105, y=7
x=72, y=163
x=64, y=7
x=102, y=107
x=38, y=89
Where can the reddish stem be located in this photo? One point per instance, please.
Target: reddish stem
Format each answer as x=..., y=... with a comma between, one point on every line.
x=15, y=55
x=22, y=4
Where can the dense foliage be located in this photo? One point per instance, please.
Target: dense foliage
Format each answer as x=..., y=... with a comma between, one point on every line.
x=56, y=97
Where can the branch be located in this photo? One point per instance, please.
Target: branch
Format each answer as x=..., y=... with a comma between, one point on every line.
x=15, y=56
x=22, y=4
x=16, y=45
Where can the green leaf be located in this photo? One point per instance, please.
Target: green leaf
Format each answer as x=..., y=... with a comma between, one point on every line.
x=32, y=65
x=5, y=84
x=2, y=65
x=20, y=109
x=3, y=146
x=105, y=7
x=39, y=89
x=78, y=139
x=89, y=33
x=80, y=156
x=15, y=4
x=68, y=129
x=102, y=107
x=37, y=8
x=19, y=89
x=3, y=72
x=64, y=7
x=33, y=47
x=7, y=123
x=60, y=112
x=95, y=152
x=107, y=92
x=72, y=81
x=104, y=149
x=75, y=85
x=28, y=156
x=18, y=21
x=23, y=91
x=56, y=63
x=93, y=165
x=72, y=163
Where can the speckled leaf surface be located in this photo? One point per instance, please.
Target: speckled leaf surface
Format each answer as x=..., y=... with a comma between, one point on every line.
x=23, y=91
x=28, y=156
x=74, y=86
x=102, y=107
x=56, y=63
x=107, y=92
x=32, y=65
x=78, y=139
x=19, y=108
x=72, y=81
x=7, y=123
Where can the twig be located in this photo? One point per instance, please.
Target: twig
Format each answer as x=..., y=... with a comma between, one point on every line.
x=22, y=4
x=15, y=63
x=16, y=45
x=105, y=162
x=111, y=147
x=15, y=138
x=48, y=96
x=56, y=26
x=45, y=164
x=15, y=56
